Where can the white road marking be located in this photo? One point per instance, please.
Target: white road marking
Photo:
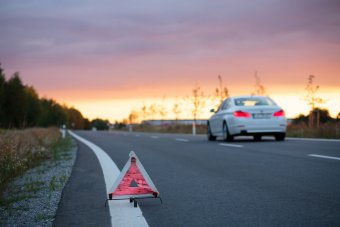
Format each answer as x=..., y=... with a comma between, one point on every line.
x=154, y=137
x=182, y=140
x=121, y=211
x=230, y=145
x=314, y=139
x=324, y=156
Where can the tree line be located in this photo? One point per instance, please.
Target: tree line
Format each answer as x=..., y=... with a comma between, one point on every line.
x=21, y=107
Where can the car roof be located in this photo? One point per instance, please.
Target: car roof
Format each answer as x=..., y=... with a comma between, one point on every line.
x=248, y=96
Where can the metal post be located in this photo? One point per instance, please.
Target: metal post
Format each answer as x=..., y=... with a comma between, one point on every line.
x=193, y=128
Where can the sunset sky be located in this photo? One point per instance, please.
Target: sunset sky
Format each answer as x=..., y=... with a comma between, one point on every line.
x=107, y=57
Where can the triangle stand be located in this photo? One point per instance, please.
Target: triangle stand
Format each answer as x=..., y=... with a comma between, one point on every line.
x=133, y=183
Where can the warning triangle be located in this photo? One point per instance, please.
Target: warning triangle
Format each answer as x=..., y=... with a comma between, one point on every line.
x=133, y=182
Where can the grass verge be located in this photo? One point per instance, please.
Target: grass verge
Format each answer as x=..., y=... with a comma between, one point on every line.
x=21, y=150
x=327, y=130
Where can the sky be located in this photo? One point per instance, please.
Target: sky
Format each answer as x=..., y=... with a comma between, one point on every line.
x=107, y=57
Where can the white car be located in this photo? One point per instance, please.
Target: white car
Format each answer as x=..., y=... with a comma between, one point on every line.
x=247, y=115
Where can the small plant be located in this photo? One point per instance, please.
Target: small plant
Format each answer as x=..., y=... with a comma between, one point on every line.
x=62, y=179
x=51, y=187
x=33, y=186
x=52, y=184
x=43, y=217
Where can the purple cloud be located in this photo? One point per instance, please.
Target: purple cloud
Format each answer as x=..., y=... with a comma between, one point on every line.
x=145, y=39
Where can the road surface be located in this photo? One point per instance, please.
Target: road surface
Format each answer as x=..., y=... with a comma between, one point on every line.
x=202, y=183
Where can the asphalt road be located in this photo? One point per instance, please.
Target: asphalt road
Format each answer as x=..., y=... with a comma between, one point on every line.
x=202, y=183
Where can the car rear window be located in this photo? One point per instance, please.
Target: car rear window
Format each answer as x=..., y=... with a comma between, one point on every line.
x=254, y=101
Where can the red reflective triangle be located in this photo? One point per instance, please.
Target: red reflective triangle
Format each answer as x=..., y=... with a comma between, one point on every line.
x=133, y=181
x=133, y=174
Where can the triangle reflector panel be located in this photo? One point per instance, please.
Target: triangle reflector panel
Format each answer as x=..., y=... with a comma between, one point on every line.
x=133, y=182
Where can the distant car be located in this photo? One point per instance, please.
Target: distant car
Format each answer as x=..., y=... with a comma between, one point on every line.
x=247, y=115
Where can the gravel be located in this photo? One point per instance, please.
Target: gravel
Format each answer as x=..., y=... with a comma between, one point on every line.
x=33, y=199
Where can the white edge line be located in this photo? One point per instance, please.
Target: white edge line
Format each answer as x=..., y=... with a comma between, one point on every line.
x=121, y=211
x=181, y=140
x=324, y=156
x=230, y=145
x=313, y=139
x=154, y=137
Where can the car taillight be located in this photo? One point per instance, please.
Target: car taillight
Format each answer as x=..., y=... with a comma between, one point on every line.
x=279, y=113
x=241, y=114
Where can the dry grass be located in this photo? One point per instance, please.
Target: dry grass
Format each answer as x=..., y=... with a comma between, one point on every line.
x=23, y=149
x=327, y=130
x=172, y=128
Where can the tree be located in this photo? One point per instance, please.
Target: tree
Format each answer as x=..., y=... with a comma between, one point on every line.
x=2, y=95
x=52, y=113
x=100, y=124
x=144, y=112
x=221, y=92
x=176, y=109
x=259, y=88
x=87, y=124
x=162, y=109
x=32, y=107
x=75, y=119
x=119, y=125
x=20, y=106
x=133, y=117
x=152, y=111
x=198, y=101
x=301, y=119
x=324, y=116
x=313, y=100
x=14, y=103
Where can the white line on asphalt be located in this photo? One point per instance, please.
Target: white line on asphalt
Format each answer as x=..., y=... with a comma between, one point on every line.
x=121, y=211
x=314, y=139
x=182, y=140
x=154, y=137
x=324, y=156
x=230, y=145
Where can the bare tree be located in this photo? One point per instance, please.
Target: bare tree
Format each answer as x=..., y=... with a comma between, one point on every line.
x=312, y=100
x=259, y=88
x=221, y=92
x=162, y=111
x=144, y=112
x=198, y=101
x=133, y=117
x=153, y=111
x=176, y=109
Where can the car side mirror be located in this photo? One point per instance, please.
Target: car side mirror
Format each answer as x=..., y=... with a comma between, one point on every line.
x=212, y=110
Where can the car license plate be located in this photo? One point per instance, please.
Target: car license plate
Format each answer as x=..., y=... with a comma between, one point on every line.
x=261, y=116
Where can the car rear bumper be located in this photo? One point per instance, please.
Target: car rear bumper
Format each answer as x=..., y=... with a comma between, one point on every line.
x=258, y=129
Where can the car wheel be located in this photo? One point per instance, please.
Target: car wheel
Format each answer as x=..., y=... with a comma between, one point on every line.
x=280, y=136
x=226, y=134
x=210, y=136
x=257, y=137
